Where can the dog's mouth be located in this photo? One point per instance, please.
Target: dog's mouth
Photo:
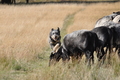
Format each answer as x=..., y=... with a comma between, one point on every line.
x=55, y=38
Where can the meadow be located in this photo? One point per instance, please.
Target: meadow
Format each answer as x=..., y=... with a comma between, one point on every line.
x=24, y=47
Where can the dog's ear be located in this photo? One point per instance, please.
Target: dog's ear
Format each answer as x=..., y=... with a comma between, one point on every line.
x=52, y=29
x=114, y=12
x=58, y=29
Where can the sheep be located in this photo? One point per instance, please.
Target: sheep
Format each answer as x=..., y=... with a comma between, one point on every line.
x=107, y=20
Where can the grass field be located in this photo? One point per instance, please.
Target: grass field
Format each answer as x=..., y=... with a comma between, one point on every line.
x=24, y=48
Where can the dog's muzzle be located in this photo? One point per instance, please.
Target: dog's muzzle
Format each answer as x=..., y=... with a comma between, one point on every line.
x=55, y=37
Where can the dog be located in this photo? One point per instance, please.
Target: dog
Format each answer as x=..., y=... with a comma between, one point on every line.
x=54, y=39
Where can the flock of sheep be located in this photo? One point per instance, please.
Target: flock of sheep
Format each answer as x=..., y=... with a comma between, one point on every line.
x=105, y=36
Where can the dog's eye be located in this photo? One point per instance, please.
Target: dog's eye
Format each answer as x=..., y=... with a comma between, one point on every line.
x=57, y=33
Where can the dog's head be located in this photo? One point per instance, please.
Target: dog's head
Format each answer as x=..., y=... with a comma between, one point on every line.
x=55, y=34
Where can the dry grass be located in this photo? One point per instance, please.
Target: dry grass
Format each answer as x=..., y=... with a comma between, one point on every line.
x=24, y=31
x=86, y=18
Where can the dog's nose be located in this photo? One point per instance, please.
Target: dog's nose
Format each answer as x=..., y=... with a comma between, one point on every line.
x=56, y=37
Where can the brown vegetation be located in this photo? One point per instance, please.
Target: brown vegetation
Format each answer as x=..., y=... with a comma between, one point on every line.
x=24, y=31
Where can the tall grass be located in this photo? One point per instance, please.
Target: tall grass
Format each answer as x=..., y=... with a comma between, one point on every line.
x=24, y=48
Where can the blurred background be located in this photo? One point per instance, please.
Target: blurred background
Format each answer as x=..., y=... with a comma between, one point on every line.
x=24, y=33
x=54, y=1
